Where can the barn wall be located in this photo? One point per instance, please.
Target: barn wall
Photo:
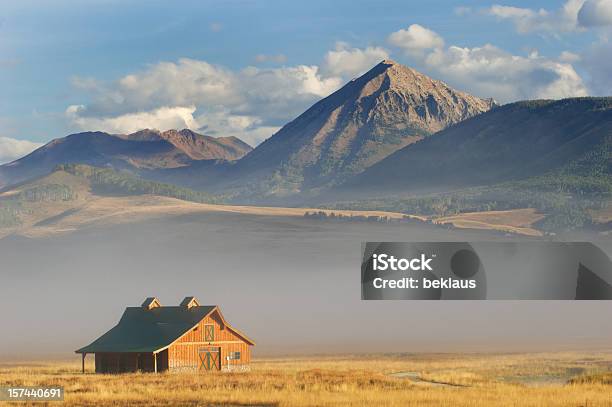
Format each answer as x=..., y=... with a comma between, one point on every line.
x=184, y=354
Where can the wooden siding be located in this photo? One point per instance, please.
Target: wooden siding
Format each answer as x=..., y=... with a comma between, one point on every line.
x=185, y=353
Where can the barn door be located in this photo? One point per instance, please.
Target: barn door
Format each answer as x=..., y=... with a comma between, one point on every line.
x=210, y=358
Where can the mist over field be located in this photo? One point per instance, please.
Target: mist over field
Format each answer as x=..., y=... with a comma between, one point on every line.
x=292, y=284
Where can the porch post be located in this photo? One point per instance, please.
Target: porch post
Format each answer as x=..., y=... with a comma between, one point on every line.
x=83, y=362
x=155, y=362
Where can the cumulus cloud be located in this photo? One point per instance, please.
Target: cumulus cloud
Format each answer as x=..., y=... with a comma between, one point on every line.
x=415, y=40
x=202, y=96
x=489, y=71
x=164, y=118
x=574, y=15
x=12, y=149
x=349, y=62
x=595, y=13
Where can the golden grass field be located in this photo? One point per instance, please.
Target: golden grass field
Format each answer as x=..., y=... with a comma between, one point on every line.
x=553, y=379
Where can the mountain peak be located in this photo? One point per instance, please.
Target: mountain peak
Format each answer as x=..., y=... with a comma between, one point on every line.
x=388, y=62
x=372, y=116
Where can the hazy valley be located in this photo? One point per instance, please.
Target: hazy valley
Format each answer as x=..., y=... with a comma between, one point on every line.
x=392, y=140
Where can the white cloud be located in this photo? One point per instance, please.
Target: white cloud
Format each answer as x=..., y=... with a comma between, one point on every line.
x=164, y=118
x=528, y=20
x=202, y=96
x=596, y=13
x=349, y=62
x=510, y=12
x=12, y=149
x=185, y=83
x=489, y=71
x=492, y=72
x=416, y=39
x=574, y=15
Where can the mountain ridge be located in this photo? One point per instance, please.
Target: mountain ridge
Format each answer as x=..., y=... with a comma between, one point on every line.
x=511, y=142
x=144, y=149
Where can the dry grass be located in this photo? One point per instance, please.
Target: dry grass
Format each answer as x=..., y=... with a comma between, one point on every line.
x=597, y=378
x=475, y=380
x=519, y=221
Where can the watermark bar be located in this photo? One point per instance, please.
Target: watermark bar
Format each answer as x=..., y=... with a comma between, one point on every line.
x=31, y=393
x=494, y=270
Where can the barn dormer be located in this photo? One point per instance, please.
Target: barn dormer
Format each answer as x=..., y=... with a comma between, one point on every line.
x=150, y=303
x=189, y=302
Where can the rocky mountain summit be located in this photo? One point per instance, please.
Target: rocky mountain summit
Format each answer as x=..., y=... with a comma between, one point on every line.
x=386, y=109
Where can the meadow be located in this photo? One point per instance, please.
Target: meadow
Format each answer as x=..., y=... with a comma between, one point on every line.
x=545, y=379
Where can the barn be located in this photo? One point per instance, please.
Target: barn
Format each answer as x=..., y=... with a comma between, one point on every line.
x=156, y=338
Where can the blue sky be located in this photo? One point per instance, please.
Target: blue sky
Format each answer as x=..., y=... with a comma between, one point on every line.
x=244, y=68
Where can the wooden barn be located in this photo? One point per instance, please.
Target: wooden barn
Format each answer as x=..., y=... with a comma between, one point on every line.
x=154, y=338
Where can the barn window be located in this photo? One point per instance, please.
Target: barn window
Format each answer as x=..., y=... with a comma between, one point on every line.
x=235, y=355
x=209, y=333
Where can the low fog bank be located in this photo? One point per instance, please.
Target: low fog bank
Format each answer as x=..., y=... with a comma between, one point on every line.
x=291, y=284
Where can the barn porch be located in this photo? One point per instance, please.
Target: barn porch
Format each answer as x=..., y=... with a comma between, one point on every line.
x=129, y=362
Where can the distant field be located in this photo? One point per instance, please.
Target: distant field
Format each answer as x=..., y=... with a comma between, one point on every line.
x=75, y=197
x=561, y=379
x=98, y=210
x=67, y=216
x=519, y=221
x=70, y=199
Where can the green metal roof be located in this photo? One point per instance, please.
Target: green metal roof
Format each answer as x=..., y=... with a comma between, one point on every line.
x=148, y=330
